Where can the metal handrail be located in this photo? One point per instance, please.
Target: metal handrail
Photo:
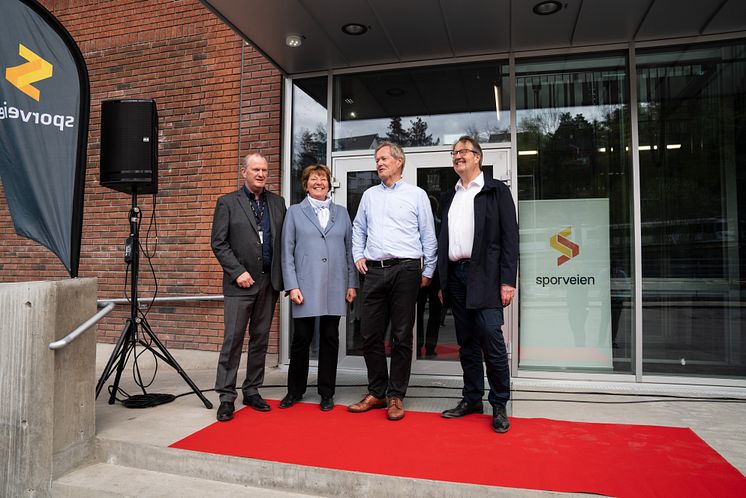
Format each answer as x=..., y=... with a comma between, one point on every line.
x=109, y=304
x=56, y=345
x=145, y=300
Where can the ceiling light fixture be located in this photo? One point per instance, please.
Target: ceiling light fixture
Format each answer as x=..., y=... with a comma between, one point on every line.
x=395, y=92
x=354, y=29
x=547, y=8
x=293, y=41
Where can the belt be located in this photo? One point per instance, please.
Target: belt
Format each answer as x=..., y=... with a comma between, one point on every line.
x=464, y=261
x=385, y=263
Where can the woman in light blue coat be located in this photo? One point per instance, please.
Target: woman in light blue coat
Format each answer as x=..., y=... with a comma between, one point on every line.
x=320, y=278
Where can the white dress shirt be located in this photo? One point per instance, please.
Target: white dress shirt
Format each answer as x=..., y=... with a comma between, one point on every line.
x=461, y=219
x=395, y=222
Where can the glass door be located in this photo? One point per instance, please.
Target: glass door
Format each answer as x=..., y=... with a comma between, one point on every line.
x=436, y=349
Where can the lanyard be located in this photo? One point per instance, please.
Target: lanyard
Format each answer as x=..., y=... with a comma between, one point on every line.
x=261, y=206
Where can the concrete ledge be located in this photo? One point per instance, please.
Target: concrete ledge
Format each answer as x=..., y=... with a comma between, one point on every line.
x=47, y=416
x=108, y=480
x=289, y=477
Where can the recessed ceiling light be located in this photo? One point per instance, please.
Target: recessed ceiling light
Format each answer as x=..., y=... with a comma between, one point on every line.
x=349, y=101
x=547, y=8
x=355, y=29
x=395, y=92
x=293, y=40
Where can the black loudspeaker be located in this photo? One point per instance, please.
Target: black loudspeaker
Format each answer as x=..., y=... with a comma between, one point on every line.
x=129, y=146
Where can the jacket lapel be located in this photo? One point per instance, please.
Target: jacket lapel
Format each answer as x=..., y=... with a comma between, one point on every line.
x=243, y=201
x=305, y=206
x=333, y=208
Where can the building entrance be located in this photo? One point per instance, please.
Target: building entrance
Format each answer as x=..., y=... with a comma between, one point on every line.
x=435, y=346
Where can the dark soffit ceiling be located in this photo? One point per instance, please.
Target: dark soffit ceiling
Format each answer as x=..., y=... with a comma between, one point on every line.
x=420, y=30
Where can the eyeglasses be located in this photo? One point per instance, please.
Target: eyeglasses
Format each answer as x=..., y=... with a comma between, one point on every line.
x=462, y=152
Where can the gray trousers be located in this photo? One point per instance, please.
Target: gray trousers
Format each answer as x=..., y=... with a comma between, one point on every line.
x=256, y=311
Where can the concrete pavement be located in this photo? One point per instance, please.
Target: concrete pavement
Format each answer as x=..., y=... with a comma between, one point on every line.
x=720, y=424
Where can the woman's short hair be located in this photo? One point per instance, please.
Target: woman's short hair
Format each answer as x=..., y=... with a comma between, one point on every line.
x=315, y=168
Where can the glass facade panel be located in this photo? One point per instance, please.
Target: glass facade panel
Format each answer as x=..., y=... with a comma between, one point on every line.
x=421, y=107
x=692, y=125
x=575, y=189
x=357, y=183
x=575, y=214
x=309, y=130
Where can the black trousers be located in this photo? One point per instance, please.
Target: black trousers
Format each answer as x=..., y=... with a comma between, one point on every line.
x=480, y=338
x=429, y=336
x=389, y=295
x=299, y=355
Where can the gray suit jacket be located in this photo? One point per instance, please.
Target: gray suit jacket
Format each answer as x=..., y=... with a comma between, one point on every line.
x=235, y=240
x=318, y=261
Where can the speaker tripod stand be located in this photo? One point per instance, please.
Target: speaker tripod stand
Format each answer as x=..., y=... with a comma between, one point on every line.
x=130, y=337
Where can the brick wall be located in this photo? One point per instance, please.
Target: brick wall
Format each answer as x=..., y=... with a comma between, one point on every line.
x=185, y=58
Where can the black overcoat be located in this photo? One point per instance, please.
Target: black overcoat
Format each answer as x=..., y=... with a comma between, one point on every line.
x=494, y=256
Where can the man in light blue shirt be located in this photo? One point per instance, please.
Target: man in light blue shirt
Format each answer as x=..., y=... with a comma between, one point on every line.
x=394, y=247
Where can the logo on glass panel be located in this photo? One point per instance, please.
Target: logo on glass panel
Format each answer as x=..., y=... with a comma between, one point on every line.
x=560, y=243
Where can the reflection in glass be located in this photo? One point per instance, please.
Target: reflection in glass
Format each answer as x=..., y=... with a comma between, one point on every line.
x=574, y=191
x=309, y=130
x=308, y=147
x=436, y=333
x=692, y=122
x=422, y=106
x=357, y=183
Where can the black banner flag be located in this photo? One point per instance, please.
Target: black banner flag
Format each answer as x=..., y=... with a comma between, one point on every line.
x=44, y=97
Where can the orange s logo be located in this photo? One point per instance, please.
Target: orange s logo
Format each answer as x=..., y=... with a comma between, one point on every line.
x=564, y=246
x=36, y=69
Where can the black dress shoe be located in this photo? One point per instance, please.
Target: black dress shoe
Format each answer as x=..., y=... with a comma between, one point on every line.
x=326, y=404
x=256, y=402
x=289, y=401
x=500, y=421
x=225, y=411
x=463, y=408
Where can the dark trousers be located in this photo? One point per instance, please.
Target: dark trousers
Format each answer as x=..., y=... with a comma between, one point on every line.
x=299, y=353
x=479, y=336
x=429, y=336
x=258, y=310
x=389, y=295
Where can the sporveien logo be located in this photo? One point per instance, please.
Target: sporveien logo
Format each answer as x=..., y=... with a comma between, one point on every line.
x=559, y=242
x=36, y=69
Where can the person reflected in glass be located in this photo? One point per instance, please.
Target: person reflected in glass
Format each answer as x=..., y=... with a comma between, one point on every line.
x=320, y=279
x=428, y=297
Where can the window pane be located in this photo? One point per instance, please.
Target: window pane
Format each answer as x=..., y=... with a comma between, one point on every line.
x=309, y=130
x=574, y=192
x=309, y=121
x=422, y=106
x=692, y=120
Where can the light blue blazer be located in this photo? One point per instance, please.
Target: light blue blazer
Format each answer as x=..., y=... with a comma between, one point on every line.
x=318, y=261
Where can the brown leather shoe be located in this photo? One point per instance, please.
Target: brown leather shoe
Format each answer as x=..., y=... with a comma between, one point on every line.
x=369, y=402
x=395, y=410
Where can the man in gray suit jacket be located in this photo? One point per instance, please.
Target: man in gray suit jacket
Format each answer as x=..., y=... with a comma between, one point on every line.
x=246, y=239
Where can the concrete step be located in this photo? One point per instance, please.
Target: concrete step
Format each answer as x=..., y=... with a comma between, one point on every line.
x=190, y=470
x=103, y=479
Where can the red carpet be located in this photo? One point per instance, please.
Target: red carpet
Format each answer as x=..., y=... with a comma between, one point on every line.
x=606, y=459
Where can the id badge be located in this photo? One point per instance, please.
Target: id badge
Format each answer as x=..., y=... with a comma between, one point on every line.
x=261, y=237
